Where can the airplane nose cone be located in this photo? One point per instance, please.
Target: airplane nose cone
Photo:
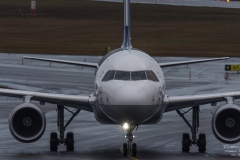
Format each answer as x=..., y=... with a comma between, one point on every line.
x=130, y=101
x=131, y=95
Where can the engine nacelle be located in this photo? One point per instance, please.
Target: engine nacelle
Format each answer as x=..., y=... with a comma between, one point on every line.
x=27, y=122
x=226, y=123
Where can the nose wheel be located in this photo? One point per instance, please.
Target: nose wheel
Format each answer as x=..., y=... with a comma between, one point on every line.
x=125, y=149
x=129, y=147
x=134, y=149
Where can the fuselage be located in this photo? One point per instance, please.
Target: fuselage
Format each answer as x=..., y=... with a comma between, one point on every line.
x=129, y=87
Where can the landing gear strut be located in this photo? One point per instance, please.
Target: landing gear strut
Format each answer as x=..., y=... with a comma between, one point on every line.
x=186, y=141
x=69, y=140
x=130, y=146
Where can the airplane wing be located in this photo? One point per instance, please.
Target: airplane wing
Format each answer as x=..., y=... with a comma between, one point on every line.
x=75, y=101
x=169, y=64
x=86, y=64
x=179, y=102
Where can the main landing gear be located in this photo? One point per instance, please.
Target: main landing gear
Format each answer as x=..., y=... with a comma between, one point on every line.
x=69, y=140
x=186, y=141
x=129, y=147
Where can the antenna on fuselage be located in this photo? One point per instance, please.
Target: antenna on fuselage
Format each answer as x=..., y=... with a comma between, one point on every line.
x=126, y=26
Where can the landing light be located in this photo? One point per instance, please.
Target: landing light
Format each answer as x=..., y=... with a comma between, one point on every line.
x=125, y=126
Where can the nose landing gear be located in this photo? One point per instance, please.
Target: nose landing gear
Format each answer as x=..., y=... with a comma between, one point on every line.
x=129, y=147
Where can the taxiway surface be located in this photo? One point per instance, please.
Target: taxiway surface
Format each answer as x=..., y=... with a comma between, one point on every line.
x=96, y=141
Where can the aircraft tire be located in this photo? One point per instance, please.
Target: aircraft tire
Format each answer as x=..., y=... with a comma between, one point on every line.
x=70, y=141
x=125, y=149
x=53, y=141
x=134, y=149
x=186, y=142
x=202, y=143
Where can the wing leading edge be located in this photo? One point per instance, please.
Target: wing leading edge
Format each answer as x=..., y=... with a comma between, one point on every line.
x=178, y=102
x=86, y=64
x=169, y=64
x=75, y=101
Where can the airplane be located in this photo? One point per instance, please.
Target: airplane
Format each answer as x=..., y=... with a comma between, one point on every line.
x=129, y=90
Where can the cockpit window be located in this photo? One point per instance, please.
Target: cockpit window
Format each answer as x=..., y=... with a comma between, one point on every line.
x=154, y=76
x=151, y=76
x=106, y=76
x=134, y=76
x=110, y=76
x=122, y=75
x=140, y=75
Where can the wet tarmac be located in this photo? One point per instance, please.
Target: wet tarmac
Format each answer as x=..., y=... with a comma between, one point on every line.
x=96, y=141
x=197, y=3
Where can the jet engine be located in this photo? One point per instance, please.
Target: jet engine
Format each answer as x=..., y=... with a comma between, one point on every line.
x=226, y=123
x=27, y=122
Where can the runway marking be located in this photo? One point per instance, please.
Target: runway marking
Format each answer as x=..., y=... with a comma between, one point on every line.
x=132, y=158
x=165, y=134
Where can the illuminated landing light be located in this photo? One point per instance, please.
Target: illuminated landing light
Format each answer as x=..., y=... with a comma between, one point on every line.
x=228, y=0
x=125, y=126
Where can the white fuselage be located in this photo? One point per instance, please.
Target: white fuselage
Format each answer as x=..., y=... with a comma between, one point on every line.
x=135, y=100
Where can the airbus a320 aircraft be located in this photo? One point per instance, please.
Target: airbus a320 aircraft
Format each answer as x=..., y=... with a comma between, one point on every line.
x=129, y=91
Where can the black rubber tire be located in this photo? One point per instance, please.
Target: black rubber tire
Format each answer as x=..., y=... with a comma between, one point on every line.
x=134, y=149
x=125, y=150
x=69, y=141
x=53, y=142
x=186, y=142
x=202, y=142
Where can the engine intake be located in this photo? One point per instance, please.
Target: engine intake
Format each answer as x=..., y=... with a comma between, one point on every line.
x=27, y=123
x=226, y=123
